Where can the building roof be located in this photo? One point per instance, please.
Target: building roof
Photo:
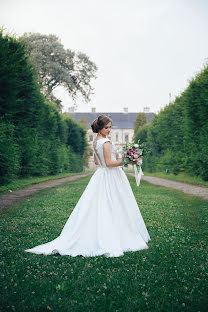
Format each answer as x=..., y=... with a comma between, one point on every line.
x=120, y=120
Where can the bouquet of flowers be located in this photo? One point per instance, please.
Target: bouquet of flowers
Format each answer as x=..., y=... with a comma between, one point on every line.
x=132, y=154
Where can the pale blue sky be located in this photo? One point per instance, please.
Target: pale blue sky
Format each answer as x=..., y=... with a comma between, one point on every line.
x=144, y=49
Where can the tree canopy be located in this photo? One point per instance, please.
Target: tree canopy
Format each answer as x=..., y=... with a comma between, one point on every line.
x=141, y=119
x=57, y=66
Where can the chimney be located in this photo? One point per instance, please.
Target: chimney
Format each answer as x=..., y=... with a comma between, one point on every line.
x=93, y=110
x=146, y=109
x=125, y=109
x=71, y=109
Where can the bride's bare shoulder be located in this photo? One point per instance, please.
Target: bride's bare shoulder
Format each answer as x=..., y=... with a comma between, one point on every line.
x=107, y=145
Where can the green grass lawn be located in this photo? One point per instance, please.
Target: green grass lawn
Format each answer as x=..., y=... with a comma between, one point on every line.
x=169, y=276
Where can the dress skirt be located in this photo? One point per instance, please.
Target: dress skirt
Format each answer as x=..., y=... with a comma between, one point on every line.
x=105, y=221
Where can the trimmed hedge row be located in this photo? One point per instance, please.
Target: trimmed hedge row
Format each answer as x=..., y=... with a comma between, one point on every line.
x=177, y=137
x=35, y=138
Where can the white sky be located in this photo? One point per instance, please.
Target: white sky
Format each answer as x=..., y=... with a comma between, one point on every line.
x=144, y=49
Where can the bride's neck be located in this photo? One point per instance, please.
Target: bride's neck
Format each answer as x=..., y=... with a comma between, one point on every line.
x=100, y=136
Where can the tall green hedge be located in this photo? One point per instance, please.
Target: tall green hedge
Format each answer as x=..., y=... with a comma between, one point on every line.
x=35, y=138
x=177, y=137
x=9, y=153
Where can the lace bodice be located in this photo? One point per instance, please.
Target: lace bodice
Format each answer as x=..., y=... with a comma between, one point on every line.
x=98, y=150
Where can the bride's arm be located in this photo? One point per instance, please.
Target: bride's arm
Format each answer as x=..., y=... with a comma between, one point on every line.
x=107, y=156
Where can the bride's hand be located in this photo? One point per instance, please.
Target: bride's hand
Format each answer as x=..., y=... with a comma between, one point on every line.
x=138, y=160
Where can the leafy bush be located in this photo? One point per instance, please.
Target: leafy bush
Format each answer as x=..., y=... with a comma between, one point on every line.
x=9, y=153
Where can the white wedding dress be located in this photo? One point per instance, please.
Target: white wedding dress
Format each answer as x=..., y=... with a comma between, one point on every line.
x=105, y=221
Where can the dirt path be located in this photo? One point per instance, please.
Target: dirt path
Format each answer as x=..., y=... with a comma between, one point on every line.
x=187, y=188
x=8, y=200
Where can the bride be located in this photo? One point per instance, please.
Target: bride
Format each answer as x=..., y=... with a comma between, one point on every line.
x=106, y=220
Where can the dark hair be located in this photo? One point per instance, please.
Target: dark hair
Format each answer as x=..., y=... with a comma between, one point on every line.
x=100, y=122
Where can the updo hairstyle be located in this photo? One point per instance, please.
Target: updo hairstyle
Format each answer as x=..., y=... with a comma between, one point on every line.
x=100, y=122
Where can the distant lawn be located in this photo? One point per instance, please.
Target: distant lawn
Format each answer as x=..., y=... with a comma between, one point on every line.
x=169, y=276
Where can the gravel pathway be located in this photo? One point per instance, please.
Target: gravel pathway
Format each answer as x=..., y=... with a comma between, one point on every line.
x=187, y=188
x=9, y=199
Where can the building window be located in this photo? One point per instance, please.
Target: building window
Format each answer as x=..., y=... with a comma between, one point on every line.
x=91, y=137
x=126, y=138
x=116, y=137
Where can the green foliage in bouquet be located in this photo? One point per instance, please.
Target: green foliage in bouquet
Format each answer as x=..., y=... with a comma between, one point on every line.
x=131, y=152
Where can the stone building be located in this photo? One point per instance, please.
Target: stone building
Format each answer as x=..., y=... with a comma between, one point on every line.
x=122, y=129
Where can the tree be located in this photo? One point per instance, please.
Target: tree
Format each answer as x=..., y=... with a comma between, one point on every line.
x=83, y=122
x=56, y=66
x=141, y=119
